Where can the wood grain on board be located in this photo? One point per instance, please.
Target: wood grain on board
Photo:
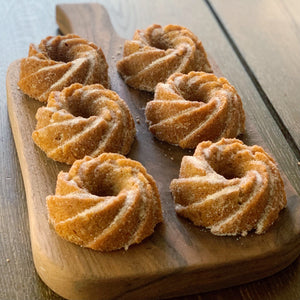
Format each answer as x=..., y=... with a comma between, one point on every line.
x=179, y=258
x=266, y=34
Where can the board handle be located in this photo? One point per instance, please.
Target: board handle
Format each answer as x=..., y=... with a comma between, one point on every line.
x=88, y=20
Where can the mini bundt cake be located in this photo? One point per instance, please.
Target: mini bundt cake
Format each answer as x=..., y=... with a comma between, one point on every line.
x=105, y=203
x=59, y=61
x=195, y=107
x=229, y=188
x=83, y=120
x=155, y=53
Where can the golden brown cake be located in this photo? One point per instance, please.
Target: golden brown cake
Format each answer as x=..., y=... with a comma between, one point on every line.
x=105, y=203
x=59, y=61
x=194, y=107
x=155, y=53
x=83, y=120
x=229, y=188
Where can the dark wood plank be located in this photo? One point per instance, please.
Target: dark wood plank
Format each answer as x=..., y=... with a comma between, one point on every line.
x=24, y=22
x=267, y=36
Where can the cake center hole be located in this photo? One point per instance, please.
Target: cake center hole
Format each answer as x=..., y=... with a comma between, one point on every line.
x=193, y=94
x=156, y=40
x=105, y=189
x=60, y=53
x=80, y=106
x=160, y=44
x=102, y=184
x=227, y=168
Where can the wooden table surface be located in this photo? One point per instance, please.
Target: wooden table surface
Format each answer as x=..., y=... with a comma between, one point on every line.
x=256, y=45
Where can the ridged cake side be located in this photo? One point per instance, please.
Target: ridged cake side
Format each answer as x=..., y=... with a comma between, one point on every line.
x=229, y=188
x=105, y=203
x=59, y=61
x=155, y=53
x=194, y=107
x=83, y=120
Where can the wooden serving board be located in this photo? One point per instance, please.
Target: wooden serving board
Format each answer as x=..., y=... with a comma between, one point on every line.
x=179, y=258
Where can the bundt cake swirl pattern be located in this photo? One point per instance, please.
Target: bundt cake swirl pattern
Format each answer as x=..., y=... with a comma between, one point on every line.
x=59, y=61
x=105, y=203
x=229, y=187
x=194, y=107
x=156, y=53
x=83, y=120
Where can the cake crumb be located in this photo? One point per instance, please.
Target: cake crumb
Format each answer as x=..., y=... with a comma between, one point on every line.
x=298, y=163
x=137, y=120
x=7, y=260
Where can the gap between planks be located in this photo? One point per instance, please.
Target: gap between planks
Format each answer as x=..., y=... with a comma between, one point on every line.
x=290, y=140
